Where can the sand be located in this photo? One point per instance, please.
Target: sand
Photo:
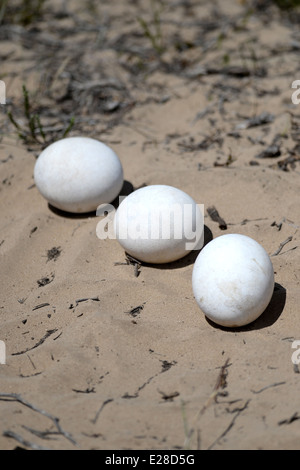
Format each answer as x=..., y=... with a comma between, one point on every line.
x=125, y=359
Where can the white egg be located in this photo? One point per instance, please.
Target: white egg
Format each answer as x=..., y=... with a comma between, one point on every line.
x=77, y=174
x=233, y=280
x=159, y=224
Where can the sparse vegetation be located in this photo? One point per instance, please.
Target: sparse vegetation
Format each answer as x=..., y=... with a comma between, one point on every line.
x=33, y=131
x=287, y=4
x=22, y=12
x=152, y=29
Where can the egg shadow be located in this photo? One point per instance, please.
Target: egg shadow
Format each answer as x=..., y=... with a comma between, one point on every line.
x=267, y=318
x=187, y=260
x=127, y=188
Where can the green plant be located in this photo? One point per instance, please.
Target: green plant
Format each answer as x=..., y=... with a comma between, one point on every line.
x=22, y=12
x=152, y=29
x=287, y=4
x=3, y=5
x=33, y=131
x=248, y=57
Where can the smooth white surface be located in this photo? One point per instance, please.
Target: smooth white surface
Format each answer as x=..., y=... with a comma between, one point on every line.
x=158, y=224
x=233, y=280
x=77, y=174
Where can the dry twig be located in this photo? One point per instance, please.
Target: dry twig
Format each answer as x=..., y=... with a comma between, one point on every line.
x=214, y=215
x=94, y=420
x=220, y=384
x=226, y=431
x=41, y=341
x=16, y=397
x=282, y=244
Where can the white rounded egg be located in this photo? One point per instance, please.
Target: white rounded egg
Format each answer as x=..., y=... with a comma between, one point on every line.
x=159, y=224
x=77, y=174
x=233, y=280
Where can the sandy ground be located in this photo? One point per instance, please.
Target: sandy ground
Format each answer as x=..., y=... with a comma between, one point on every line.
x=126, y=361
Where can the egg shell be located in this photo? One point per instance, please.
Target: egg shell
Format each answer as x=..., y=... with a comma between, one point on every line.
x=77, y=174
x=233, y=280
x=159, y=224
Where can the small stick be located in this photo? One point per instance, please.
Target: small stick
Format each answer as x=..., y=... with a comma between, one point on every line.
x=132, y=261
x=41, y=341
x=136, y=263
x=85, y=299
x=40, y=306
x=168, y=396
x=294, y=417
x=221, y=383
x=22, y=441
x=19, y=399
x=276, y=384
x=100, y=409
x=214, y=215
x=226, y=431
x=136, y=310
x=284, y=220
x=282, y=244
x=41, y=434
x=278, y=225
